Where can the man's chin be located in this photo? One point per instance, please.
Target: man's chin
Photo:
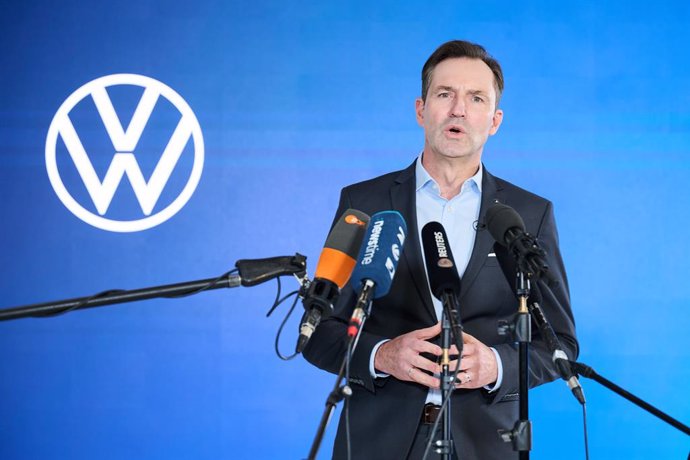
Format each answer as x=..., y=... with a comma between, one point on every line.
x=455, y=153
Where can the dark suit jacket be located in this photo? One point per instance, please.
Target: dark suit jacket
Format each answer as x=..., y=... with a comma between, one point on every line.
x=385, y=412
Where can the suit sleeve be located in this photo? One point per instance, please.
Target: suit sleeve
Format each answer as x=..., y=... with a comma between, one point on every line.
x=327, y=346
x=556, y=306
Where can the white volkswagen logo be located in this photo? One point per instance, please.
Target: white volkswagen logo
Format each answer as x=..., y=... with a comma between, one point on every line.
x=124, y=162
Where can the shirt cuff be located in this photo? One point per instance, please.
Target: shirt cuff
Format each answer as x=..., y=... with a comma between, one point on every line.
x=372, y=370
x=499, y=377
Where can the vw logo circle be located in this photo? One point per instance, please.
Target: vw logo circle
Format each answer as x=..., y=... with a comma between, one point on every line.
x=124, y=161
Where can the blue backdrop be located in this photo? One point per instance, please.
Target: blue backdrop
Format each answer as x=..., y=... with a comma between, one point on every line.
x=296, y=100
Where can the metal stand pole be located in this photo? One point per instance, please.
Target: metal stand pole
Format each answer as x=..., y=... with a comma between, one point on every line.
x=444, y=446
x=521, y=434
x=339, y=391
x=451, y=333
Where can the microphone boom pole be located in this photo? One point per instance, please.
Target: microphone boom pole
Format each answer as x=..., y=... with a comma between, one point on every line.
x=586, y=371
x=272, y=268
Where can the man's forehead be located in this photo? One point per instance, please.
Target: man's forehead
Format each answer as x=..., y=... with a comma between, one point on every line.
x=455, y=72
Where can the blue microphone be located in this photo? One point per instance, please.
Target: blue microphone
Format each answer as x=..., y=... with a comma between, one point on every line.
x=377, y=262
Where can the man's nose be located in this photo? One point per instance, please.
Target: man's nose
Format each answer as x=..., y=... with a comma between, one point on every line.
x=457, y=110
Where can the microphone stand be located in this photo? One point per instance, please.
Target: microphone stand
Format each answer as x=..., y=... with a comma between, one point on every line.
x=450, y=328
x=339, y=391
x=521, y=329
x=336, y=395
x=586, y=371
x=252, y=272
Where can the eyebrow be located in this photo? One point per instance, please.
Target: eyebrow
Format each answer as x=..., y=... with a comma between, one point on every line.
x=450, y=88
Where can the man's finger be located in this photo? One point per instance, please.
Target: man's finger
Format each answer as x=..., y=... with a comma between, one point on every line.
x=469, y=349
x=419, y=376
x=467, y=338
x=464, y=365
x=427, y=347
x=422, y=363
x=428, y=332
x=464, y=378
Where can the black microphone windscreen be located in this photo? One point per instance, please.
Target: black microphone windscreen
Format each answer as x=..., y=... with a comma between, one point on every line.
x=500, y=218
x=440, y=265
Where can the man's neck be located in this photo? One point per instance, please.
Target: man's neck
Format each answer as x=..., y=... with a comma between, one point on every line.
x=450, y=173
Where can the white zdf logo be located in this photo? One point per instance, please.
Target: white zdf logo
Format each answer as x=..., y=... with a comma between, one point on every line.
x=122, y=151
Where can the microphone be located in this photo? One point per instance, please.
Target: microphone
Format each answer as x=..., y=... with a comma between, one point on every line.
x=508, y=229
x=440, y=265
x=445, y=286
x=336, y=262
x=560, y=359
x=378, y=259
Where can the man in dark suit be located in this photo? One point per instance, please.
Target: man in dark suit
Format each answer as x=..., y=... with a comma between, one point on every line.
x=395, y=367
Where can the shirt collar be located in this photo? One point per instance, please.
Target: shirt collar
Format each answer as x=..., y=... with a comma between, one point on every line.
x=423, y=179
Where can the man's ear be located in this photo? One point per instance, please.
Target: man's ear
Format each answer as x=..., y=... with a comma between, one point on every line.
x=419, y=110
x=496, y=121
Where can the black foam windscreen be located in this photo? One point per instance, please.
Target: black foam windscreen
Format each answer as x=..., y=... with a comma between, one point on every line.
x=501, y=218
x=440, y=265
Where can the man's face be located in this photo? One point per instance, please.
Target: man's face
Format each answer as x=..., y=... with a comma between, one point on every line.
x=460, y=111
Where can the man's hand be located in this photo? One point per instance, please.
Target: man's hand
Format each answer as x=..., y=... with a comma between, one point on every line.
x=401, y=358
x=478, y=367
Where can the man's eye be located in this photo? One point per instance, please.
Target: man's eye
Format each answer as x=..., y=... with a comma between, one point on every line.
x=444, y=94
x=477, y=99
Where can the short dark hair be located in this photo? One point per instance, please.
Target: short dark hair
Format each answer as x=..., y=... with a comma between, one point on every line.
x=460, y=49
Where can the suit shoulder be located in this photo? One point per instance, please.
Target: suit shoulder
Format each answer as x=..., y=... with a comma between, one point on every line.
x=374, y=185
x=520, y=194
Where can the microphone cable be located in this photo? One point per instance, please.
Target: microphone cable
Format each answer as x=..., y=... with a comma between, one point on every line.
x=278, y=301
x=79, y=305
x=584, y=425
x=439, y=417
x=457, y=335
x=192, y=290
x=351, y=344
x=348, y=439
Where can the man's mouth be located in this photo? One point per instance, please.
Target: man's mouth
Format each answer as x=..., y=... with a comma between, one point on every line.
x=454, y=129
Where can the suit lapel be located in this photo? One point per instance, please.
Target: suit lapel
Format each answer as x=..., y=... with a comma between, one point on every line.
x=483, y=243
x=403, y=198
